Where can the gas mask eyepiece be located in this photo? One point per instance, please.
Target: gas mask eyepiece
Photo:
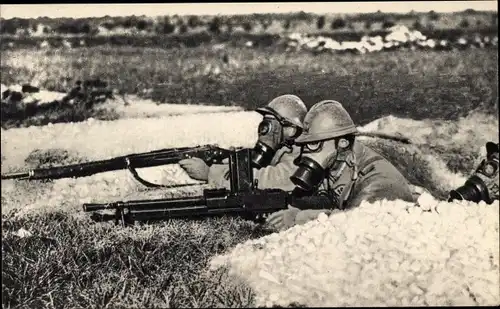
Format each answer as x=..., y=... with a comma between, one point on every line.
x=483, y=184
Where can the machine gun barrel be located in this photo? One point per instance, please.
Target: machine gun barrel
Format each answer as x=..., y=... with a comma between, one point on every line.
x=21, y=175
x=146, y=204
x=214, y=202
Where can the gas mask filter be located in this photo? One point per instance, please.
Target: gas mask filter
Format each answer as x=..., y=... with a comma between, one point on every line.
x=482, y=185
x=316, y=160
x=271, y=138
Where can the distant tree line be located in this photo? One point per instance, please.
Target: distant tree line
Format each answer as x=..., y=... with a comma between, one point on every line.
x=218, y=24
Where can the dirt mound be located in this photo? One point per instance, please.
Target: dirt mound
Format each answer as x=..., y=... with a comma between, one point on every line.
x=46, y=158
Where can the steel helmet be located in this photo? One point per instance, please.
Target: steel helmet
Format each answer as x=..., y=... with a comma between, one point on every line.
x=288, y=107
x=326, y=120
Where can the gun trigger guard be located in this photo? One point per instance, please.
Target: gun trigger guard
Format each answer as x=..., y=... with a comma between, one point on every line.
x=139, y=179
x=146, y=183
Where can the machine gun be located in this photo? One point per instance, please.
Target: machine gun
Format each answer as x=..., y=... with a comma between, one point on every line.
x=242, y=199
x=209, y=153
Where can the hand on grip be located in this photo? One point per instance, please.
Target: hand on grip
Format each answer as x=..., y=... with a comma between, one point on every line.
x=196, y=168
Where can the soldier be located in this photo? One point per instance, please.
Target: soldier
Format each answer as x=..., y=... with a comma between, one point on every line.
x=336, y=171
x=274, y=152
x=482, y=185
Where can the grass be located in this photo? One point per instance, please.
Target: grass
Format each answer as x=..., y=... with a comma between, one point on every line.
x=74, y=263
x=412, y=84
x=71, y=262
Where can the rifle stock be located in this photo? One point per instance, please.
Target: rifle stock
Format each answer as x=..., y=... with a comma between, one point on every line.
x=209, y=153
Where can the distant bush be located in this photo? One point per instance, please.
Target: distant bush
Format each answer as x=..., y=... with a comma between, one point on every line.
x=302, y=16
x=247, y=26
x=433, y=16
x=167, y=26
x=193, y=21
x=214, y=25
x=129, y=23
x=183, y=28
x=338, y=23
x=74, y=27
x=417, y=25
x=10, y=26
x=265, y=24
x=464, y=23
x=286, y=24
x=320, y=23
x=108, y=26
x=141, y=25
x=229, y=27
x=388, y=24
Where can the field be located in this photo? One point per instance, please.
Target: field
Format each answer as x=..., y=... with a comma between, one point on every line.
x=446, y=102
x=367, y=86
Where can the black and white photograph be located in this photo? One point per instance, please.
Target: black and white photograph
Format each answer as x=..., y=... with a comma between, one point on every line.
x=250, y=155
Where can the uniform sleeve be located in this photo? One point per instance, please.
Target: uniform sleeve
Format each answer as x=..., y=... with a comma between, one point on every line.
x=273, y=176
x=384, y=183
x=218, y=176
x=312, y=202
x=278, y=176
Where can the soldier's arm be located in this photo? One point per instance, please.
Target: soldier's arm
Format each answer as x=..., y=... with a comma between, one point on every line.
x=379, y=188
x=273, y=176
x=218, y=176
x=390, y=189
x=277, y=176
x=311, y=206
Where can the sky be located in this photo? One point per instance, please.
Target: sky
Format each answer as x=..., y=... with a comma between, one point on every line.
x=157, y=9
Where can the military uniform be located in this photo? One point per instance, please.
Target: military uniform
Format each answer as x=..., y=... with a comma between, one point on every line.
x=375, y=179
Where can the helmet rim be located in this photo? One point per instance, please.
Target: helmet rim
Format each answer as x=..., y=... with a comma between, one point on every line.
x=266, y=110
x=311, y=137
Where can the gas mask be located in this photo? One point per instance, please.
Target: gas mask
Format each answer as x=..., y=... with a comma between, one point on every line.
x=482, y=185
x=317, y=159
x=271, y=138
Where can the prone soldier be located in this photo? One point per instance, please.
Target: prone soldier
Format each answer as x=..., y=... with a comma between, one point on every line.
x=482, y=185
x=274, y=152
x=335, y=171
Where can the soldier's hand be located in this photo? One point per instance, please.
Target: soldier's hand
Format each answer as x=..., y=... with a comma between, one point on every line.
x=196, y=168
x=283, y=219
x=307, y=215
